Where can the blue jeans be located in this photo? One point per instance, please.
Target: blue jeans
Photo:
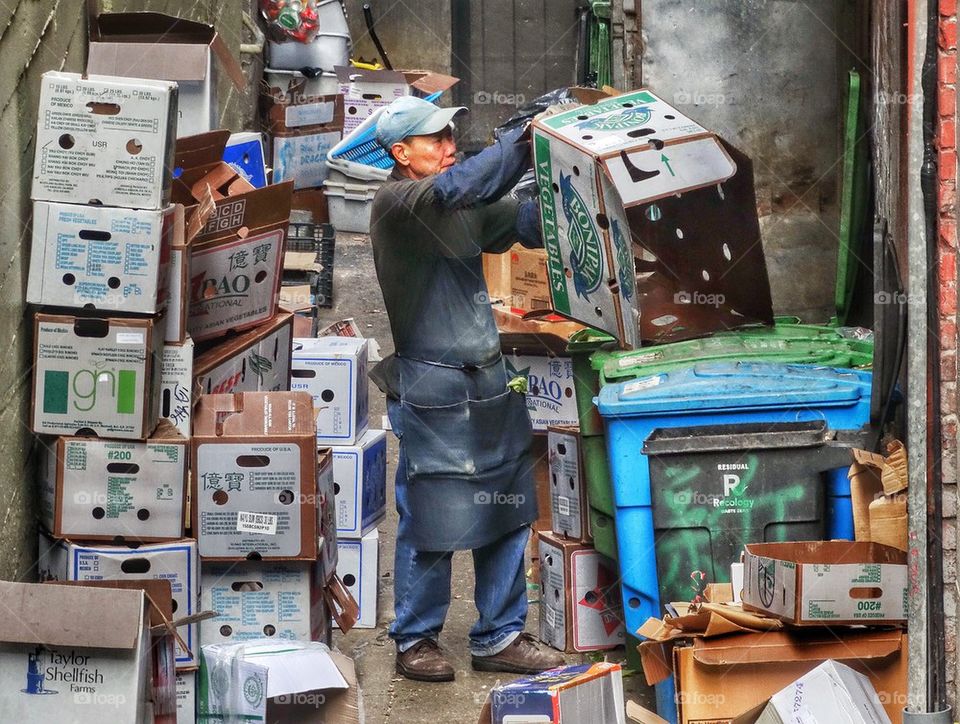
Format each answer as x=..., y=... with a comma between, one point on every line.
x=422, y=586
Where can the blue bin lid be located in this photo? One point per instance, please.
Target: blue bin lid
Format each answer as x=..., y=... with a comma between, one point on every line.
x=731, y=385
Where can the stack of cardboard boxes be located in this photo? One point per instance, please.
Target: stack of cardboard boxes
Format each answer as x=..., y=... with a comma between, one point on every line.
x=333, y=370
x=580, y=607
x=113, y=475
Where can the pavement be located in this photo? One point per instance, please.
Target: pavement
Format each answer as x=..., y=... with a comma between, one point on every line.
x=387, y=698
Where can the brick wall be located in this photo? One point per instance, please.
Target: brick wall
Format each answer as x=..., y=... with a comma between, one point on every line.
x=947, y=305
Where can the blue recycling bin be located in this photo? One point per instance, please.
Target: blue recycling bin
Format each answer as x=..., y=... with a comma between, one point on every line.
x=714, y=393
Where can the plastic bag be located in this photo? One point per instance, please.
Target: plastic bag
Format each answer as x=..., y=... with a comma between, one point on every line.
x=291, y=19
x=525, y=113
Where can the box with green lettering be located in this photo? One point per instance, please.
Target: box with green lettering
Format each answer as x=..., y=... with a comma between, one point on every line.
x=826, y=583
x=96, y=376
x=115, y=490
x=649, y=221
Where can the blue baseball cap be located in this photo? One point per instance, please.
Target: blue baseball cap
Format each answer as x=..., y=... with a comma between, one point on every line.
x=412, y=116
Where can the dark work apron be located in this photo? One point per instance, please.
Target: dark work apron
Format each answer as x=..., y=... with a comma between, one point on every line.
x=466, y=439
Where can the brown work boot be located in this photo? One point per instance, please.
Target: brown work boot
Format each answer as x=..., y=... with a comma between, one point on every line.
x=524, y=655
x=424, y=661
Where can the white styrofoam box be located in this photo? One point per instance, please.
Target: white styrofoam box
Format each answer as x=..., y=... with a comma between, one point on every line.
x=334, y=371
x=186, y=697
x=257, y=599
x=175, y=561
x=176, y=385
x=105, y=140
x=349, y=205
x=550, y=393
x=303, y=158
x=358, y=566
x=360, y=484
x=115, y=490
x=99, y=257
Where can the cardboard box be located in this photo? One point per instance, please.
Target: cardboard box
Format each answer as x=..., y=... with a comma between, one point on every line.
x=112, y=490
x=104, y=140
x=153, y=45
x=186, y=697
x=578, y=693
x=246, y=152
x=358, y=566
x=282, y=683
x=178, y=272
x=550, y=394
x=569, y=508
x=303, y=130
x=176, y=385
x=327, y=514
x=518, y=278
x=96, y=669
x=830, y=692
x=826, y=583
x=877, y=485
x=257, y=360
x=631, y=176
x=257, y=599
x=539, y=452
x=235, y=263
x=364, y=90
x=360, y=484
x=255, y=476
x=175, y=561
x=334, y=371
x=99, y=376
x=97, y=257
x=719, y=679
x=580, y=607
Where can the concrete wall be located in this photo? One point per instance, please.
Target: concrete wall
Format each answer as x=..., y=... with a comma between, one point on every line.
x=764, y=74
x=37, y=36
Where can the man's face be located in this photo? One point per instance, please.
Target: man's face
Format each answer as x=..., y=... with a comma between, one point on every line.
x=422, y=156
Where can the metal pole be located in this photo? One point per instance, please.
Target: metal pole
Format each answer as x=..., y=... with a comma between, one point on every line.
x=916, y=365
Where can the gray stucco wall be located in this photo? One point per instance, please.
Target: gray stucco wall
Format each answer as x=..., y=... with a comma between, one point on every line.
x=765, y=74
x=37, y=36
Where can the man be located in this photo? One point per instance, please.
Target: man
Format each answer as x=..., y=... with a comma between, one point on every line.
x=464, y=478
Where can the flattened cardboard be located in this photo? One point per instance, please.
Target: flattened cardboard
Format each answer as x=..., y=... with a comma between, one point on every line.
x=719, y=679
x=254, y=479
x=112, y=490
x=98, y=257
x=629, y=184
x=153, y=45
x=257, y=599
x=826, y=583
x=360, y=484
x=99, y=376
x=580, y=608
x=569, y=508
x=174, y=561
x=333, y=370
x=358, y=566
x=257, y=360
x=104, y=140
x=176, y=385
x=89, y=666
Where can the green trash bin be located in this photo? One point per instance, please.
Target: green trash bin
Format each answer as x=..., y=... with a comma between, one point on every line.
x=597, y=361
